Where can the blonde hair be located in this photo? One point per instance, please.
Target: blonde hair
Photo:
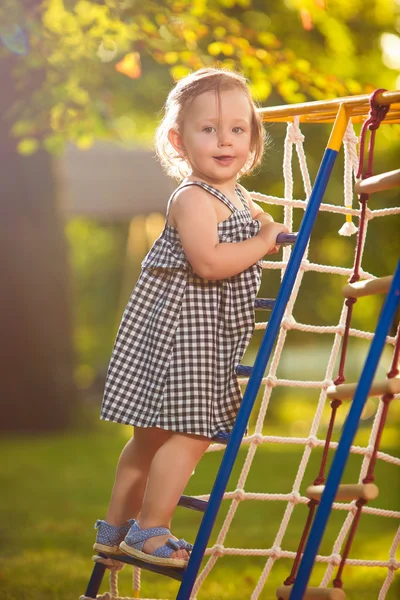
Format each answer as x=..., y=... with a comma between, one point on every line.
x=188, y=88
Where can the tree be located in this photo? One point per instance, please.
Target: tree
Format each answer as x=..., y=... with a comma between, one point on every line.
x=36, y=350
x=101, y=60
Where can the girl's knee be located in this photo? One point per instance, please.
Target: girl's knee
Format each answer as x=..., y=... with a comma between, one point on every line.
x=149, y=440
x=196, y=444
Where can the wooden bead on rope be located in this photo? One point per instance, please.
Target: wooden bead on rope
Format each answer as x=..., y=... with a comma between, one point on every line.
x=312, y=593
x=378, y=183
x=367, y=287
x=378, y=388
x=347, y=491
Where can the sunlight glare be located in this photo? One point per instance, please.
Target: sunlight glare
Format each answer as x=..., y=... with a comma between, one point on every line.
x=390, y=44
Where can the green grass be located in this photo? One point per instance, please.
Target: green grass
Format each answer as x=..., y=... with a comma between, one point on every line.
x=55, y=487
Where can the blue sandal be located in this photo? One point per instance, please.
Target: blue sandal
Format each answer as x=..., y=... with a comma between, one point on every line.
x=109, y=536
x=136, y=538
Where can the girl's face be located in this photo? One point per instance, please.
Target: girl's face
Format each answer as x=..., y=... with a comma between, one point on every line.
x=216, y=135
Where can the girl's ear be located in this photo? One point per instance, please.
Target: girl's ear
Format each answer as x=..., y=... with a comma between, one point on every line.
x=175, y=139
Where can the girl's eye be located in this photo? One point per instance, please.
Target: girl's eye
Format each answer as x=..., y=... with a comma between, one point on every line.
x=208, y=129
x=237, y=129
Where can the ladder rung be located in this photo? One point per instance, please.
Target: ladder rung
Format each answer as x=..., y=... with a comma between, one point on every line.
x=244, y=370
x=312, y=593
x=367, y=287
x=264, y=303
x=193, y=503
x=378, y=388
x=172, y=572
x=347, y=491
x=378, y=183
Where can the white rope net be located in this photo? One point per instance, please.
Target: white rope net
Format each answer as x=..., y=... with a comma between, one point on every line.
x=276, y=551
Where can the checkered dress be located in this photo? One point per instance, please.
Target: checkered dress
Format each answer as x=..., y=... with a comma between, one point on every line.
x=181, y=337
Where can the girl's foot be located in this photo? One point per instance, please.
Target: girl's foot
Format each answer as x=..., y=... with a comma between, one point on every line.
x=109, y=536
x=155, y=545
x=155, y=542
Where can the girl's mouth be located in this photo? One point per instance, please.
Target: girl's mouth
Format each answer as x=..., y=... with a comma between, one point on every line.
x=224, y=160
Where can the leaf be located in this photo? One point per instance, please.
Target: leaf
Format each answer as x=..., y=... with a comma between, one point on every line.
x=260, y=90
x=84, y=141
x=179, y=71
x=259, y=21
x=53, y=16
x=86, y=11
x=171, y=58
x=215, y=48
x=220, y=32
x=27, y=146
x=23, y=127
x=130, y=65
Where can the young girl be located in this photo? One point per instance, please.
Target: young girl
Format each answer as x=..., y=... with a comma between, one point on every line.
x=190, y=316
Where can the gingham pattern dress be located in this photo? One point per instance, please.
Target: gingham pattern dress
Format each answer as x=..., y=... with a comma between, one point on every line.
x=182, y=336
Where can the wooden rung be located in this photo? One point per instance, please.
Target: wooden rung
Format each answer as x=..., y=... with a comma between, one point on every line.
x=347, y=491
x=378, y=183
x=378, y=388
x=368, y=287
x=312, y=593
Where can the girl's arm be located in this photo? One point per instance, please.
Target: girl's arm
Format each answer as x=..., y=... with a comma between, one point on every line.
x=256, y=211
x=194, y=215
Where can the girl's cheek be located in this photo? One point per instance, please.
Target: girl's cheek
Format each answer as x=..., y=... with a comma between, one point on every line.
x=206, y=144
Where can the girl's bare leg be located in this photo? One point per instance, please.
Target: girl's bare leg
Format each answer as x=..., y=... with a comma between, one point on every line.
x=170, y=470
x=132, y=473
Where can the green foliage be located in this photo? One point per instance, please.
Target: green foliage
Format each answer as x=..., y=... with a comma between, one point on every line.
x=96, y=255
x=79, y=65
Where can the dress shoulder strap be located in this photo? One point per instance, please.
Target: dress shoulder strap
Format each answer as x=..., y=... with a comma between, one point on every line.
x=242, y=197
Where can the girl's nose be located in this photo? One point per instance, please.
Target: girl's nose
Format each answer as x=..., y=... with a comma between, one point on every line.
x=224, y=138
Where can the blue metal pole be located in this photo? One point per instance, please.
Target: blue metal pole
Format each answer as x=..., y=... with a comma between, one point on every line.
x=260, y=364
x=349, y=431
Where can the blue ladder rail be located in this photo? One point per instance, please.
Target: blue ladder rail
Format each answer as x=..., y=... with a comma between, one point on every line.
x=263, y=356
x=349, y=431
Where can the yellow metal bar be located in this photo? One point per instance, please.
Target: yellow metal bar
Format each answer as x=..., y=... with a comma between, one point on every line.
x=357, y=105
x=393, y=116
x=339, y=129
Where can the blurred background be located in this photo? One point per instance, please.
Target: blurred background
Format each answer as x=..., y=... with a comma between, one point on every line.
x=83, y=85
